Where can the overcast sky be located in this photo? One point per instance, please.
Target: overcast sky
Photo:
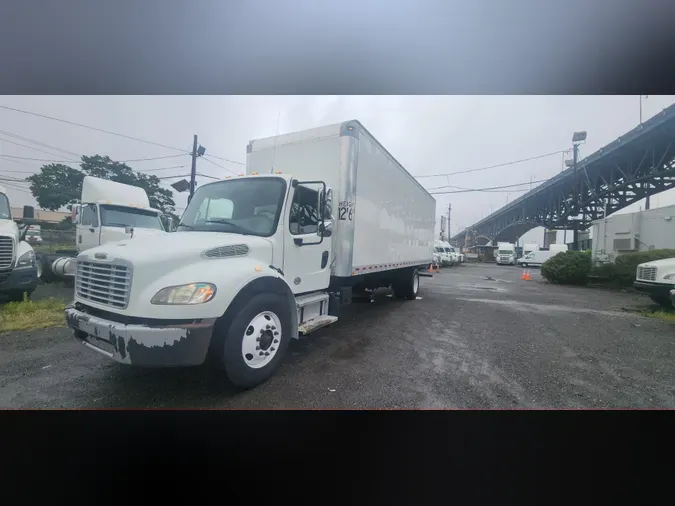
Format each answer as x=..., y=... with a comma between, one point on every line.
x=427, y=134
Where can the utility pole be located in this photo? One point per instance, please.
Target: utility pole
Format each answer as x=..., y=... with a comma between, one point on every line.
x=647, y=198
x=193, y=170
x=449, y=211
x=575, y=156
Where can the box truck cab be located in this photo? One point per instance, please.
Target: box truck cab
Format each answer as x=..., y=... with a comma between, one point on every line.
x=260, y=259
x=19, y=272
x=506, y=253
x=656, y=279
x=443, y=252
x=109, y=211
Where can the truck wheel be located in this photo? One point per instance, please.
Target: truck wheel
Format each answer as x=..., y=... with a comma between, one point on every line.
x=662, y=301
x=256, y=341
x=407, y=286
x=17, y=295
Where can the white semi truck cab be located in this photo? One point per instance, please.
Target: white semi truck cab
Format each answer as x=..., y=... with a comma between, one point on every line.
x=260, y=259
x=109, y=212
x=657, y=279
x=19, y=272
x=506, y=253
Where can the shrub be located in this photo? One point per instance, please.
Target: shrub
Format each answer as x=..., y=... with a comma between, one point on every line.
x=567, y=268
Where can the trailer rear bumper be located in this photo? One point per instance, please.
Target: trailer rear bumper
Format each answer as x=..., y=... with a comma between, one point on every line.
x=142, y=345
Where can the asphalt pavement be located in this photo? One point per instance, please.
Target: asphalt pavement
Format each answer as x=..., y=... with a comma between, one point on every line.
x=477, y=337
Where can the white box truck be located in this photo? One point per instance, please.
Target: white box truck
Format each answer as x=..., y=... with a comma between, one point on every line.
x=19, y=272
x=109, y=211
x=260, y=259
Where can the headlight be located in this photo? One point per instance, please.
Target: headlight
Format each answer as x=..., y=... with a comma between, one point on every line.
x=26, y=260
x=669, y=276
x=194, y=293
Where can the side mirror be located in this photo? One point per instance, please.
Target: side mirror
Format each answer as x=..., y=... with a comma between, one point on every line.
x=75, y=213
x=326, y=207
x=28, y=212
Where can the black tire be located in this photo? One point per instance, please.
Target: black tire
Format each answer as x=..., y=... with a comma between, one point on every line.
x=407, y=285
x=47, y=274
x=17, y=295
x=230, y=340
x=662, y=300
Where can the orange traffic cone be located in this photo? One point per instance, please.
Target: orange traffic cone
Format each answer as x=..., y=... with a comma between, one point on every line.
x=431, y=268
x=527, y=275
x=523, y=276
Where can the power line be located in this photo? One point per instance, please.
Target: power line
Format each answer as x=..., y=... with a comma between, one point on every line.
x=225, y=159
x=218, y=165
x=33, y=148
x=93, y=128
x=71, y=161
x=495, y=166
x=28, y=139
x=465, y=190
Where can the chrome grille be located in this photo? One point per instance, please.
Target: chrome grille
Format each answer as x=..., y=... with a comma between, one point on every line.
x=646, y=273
x=6, y=252
x=103, y=283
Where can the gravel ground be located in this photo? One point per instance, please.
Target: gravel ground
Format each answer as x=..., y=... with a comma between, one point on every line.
x=479, y=337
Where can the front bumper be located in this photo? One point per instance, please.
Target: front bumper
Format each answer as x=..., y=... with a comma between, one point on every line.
x=654, y=288
x=21, y=279
x=143, y=345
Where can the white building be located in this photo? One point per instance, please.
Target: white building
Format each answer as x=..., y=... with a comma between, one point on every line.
x=641, y=231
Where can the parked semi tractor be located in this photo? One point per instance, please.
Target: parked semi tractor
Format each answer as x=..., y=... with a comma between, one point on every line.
x=19, y=272
x=657, y=279
x=506, y=253
x=260, y=259
x=109, y=211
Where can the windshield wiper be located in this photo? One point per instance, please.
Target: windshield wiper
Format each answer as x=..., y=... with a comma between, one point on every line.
x=243, y=230
x=186, y=226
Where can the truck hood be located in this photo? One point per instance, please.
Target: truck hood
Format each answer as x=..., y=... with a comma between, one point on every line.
x=9, y=228
x=666, y=262
x=175, y=249
x=112, y=234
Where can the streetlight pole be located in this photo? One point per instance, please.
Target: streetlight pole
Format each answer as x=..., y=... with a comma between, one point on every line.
x=577, y=138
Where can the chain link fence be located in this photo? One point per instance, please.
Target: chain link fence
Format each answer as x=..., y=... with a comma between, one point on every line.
x=53, y=240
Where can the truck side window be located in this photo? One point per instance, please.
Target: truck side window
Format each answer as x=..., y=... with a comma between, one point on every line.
x=89, y=216
x=304, y=217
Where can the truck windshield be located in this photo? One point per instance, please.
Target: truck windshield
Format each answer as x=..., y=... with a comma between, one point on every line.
x=5, y=213
x=244, y=206
x=120, y=216
x=505, y=252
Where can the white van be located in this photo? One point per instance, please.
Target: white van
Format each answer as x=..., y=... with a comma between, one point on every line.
x=536, y=258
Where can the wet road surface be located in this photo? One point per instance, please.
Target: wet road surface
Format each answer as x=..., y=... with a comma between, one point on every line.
x=479, y=337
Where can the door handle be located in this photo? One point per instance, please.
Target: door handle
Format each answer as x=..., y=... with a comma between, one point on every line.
x=92, y=230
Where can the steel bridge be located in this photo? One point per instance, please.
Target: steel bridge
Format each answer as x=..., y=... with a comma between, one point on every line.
x=638, y=164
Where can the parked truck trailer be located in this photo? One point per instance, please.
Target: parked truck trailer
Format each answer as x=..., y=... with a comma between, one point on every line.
x=260, y=259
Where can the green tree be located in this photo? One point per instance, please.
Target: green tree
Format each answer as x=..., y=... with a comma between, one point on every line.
x=57, y=185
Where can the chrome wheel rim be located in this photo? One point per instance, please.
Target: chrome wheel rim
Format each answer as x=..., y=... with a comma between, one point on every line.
x=261, y=340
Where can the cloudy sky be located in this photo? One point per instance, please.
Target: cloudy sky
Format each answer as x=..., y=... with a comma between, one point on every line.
x=427, y=134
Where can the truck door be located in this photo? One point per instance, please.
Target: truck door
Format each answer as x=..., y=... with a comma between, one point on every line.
x=88, y=227
x=307, y=250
